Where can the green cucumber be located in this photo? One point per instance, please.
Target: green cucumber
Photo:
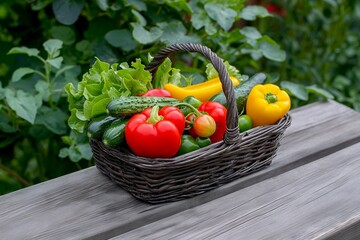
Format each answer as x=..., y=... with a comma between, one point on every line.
x=127, y=106
x=98, y=125
x=114, y=134
x=241, y=91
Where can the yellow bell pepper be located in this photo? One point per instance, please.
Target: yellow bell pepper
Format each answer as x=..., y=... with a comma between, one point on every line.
x=202, y=91
x=267, y=104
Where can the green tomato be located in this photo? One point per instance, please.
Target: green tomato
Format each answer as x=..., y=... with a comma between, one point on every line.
x=245, y=123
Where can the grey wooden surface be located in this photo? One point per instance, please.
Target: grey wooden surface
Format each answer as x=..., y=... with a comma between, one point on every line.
x=312, y=180
x=304, y=203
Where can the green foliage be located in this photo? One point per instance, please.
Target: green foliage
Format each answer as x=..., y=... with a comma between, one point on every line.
x=32, y=116
x=321, y=39
x=49, y=44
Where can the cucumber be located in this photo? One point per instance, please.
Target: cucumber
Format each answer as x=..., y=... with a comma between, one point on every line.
x=241, y=91
x=127, y=106
x=98, y=125
x=114, y=134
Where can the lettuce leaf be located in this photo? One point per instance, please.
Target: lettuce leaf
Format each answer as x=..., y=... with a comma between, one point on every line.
x=101, y=84
x=167, y=74
x=212, y=73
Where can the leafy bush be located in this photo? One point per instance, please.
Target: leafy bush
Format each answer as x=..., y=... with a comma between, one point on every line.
x=321, y=39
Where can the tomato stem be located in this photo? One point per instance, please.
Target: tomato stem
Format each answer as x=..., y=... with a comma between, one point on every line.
x=194, y=110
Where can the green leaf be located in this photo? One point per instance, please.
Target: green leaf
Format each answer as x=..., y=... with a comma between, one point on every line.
x=67, y=11
x=63, y=70
x=52, y=47
x=296, y=90
x=64, y=33
x=55, y=62
x=64, y=153
x=140, y=19
x=85, y=151
x=103, y=4
x=24, y=50
x=144, y=36
x=212, y=73
x=96, y=106
x=74, y=153
x=78, y=152
x=200, y=19
x=179, y=5
x=43, y=94
x=270, y=49
x=250, y=32
x=163, y=74
x=121, y=38
x=135, y=79
x=250, y=13
x=53, y=119
x=149, y=57
x=75, y=121
x=319, y=91
x=105, y=52
x=69, y=139
x=273, y=77
x=24, y=104
x=137, y=4
x=20, y=73
x=175, y=32
x=224, y=16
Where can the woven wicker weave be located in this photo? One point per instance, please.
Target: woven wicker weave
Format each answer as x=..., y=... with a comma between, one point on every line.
x=157, y=180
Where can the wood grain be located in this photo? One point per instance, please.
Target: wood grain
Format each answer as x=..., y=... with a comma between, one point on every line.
x=310, y=202
x=86, y=205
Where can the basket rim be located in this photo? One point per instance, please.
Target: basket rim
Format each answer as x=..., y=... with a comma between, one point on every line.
x=124, y=154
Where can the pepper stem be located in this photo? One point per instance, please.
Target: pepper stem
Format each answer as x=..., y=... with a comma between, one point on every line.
x=270, y=98
x=154, y=115
x=194, y=110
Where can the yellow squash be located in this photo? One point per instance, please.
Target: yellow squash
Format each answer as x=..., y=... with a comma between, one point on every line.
x=202, y=91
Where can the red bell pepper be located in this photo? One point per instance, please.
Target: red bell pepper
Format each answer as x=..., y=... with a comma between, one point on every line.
x=218, y=113
x=154, y=133
x=157, y=92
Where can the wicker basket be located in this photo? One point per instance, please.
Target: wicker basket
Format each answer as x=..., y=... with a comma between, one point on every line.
x=157, y=180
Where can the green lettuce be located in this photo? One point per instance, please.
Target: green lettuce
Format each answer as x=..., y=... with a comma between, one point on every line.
x=101, y=84
x=167, y=74
x=212, y=73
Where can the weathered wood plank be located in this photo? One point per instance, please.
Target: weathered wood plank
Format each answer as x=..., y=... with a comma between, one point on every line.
x=313, y=201
x=86, y=205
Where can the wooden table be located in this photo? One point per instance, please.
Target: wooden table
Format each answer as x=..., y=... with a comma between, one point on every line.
x=310, y=191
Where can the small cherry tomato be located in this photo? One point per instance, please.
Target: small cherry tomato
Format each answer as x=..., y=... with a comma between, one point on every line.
x=204, y=126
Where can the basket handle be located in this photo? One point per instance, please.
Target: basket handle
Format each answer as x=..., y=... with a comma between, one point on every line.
x=232, y=134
